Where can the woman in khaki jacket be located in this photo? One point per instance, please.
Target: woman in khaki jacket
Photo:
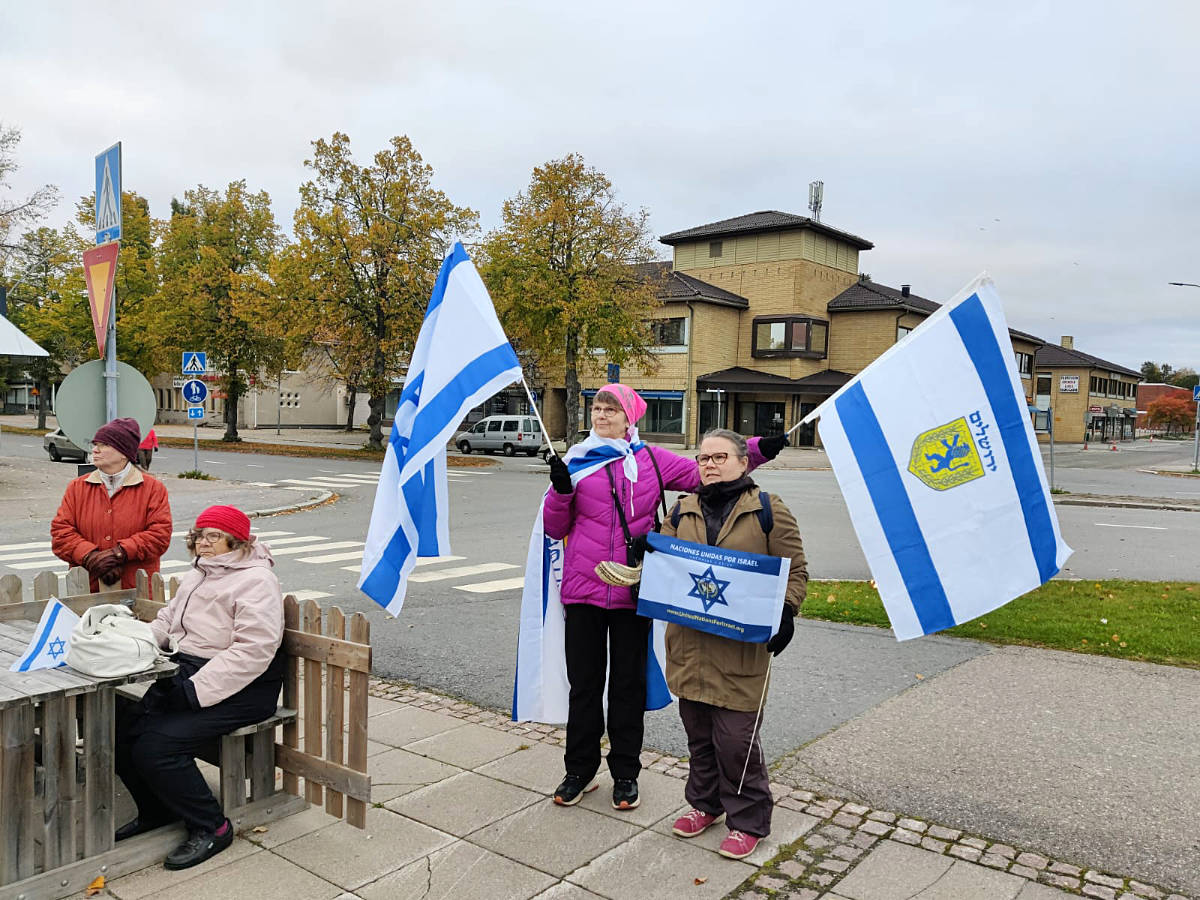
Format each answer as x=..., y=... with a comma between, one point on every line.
x=720, y=682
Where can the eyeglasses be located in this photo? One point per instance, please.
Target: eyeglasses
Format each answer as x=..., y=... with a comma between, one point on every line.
x=206, y=537
x=716, y=458
x=606, y=411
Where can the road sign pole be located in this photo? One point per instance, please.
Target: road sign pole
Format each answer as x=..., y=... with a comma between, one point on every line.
x=195, y=448
x=1196, y=441
x=110, y=361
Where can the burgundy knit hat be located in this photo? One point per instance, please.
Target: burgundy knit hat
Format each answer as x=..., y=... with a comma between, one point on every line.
x=123, y=435
x=228, y=519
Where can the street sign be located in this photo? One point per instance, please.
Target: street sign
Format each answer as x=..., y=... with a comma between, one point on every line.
x=100, y=271
x=108, y=195
x=1196, y=393
x=195, y=391
x=195, y=362
x=614, y=373
x=195, y=412
x=79, y=403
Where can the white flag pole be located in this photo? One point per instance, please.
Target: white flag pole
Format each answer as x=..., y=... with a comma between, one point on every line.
x=536, y=414
x=757, y=719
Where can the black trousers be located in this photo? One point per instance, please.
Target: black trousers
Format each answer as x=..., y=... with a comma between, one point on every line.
x=719, y=746
x=157, y=748
x=599, y=641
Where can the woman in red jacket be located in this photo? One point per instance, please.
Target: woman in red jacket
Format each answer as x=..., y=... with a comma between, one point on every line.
x=117, y=519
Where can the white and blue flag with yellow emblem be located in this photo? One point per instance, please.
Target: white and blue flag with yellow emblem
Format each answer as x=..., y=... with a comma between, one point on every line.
x=48, y=649
x=460, y=359
x=731, y=593
x=937, y=460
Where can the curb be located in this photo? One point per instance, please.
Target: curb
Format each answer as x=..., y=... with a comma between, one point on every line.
x=1165, y=472
x=1150, y=503
x=323, y=497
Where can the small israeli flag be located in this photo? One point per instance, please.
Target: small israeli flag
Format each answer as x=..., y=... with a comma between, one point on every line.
x=937, y=460
x=48, y=649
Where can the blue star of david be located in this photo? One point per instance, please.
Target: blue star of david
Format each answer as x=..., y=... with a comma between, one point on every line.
x=56, y=648
x=708, y=589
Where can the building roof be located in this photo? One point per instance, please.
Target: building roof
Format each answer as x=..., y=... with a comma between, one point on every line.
x=765, y=220
x=684, y=287
x=742, y=379
x=1052, y=355
x=869, y=295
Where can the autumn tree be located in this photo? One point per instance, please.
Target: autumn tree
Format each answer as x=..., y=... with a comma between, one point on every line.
x=216, y=256
x=563, y=270
x=17, y=213
x=370, y=240
x=1172, y=410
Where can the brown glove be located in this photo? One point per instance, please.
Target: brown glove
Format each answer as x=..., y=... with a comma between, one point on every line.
x=112, y=566
x=96, y=561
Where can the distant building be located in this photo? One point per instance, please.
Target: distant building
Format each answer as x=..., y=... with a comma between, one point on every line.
x=1091, y=398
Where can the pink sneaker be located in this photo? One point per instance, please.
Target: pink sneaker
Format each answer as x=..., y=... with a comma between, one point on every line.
x=695, y=822
x=738, y=845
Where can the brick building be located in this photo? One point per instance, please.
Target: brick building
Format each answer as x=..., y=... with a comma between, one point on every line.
x=1148, y=393
x=1091, y=398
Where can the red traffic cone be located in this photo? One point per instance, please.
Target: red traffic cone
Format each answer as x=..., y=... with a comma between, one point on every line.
x=1114, y=446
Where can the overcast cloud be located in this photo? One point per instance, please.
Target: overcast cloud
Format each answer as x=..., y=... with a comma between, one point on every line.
x=1055, y=144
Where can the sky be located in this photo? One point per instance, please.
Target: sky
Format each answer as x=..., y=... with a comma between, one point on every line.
x=1054, y=144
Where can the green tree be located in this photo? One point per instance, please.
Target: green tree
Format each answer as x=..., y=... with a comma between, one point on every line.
x=370, y=240
x=1154, y=373
x=17, y=212
x=562, y=269
x=1185, y=378
x=215, y=264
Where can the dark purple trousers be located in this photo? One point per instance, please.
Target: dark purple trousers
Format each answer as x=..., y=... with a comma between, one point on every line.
x=719, y=742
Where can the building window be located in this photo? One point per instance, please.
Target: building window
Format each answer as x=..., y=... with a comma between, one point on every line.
x=662, y=417
x=1025, y=363
x=715, y=248
x=902, y=331
x=669, y=332
x=790, y=336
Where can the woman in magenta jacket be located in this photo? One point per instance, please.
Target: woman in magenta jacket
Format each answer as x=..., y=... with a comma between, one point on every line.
x=604, y=633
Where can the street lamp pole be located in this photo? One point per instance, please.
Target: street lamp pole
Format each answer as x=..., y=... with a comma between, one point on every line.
x=1196, y=424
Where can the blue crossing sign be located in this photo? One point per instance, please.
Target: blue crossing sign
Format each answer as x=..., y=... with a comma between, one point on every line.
x=195, y=412
x=108, y=195
x=1196, y=393
x=195, y=362
x=195, y=391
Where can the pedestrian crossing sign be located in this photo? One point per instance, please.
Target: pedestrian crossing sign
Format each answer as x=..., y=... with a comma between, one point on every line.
x=195, y=363
x=108, y=195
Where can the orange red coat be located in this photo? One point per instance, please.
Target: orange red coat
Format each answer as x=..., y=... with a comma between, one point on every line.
x=137, y=516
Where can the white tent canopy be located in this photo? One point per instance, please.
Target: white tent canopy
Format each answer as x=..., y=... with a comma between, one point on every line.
x=15, y=342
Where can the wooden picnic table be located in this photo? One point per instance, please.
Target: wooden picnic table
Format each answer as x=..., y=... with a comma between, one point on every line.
x=57, y=781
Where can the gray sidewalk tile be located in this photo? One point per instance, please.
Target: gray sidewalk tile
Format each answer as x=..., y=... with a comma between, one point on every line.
x=787, y=825
x=660, y=796
x=537, y=768
x=967, y=881
x=463, y=803
x=564, y=890
x=262, y=876
x=398, y=772
x=552, y=838
x=654, y=867
x=404, y=726
x=291, y=827
x=351, y=857
x=461, y=871
x=374, y=748
x=145, y=882
x=1035, y=891
x=894, y=872
x=377, y=706
x=467, y=747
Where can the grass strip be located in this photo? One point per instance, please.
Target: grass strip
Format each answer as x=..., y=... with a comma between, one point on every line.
x=1150, y=621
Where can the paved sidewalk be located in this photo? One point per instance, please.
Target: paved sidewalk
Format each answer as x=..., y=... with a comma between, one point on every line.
x=462, y=811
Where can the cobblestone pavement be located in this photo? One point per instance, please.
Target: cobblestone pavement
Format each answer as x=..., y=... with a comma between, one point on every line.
x=848, y=834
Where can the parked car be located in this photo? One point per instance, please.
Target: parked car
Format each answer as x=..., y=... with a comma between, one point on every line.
x=59, y=446
x=509, y=434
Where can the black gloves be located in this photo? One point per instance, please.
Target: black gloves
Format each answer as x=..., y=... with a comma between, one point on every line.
x=787, y=628
x=560, y=478
x=639, y=548
x=770, y=446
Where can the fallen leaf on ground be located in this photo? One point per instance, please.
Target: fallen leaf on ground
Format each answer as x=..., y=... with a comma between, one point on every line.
x=95, y=887
x=260, y=829
x=700, y=880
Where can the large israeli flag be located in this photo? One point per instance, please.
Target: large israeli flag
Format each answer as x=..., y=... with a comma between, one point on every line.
x=939, y=465
x=461, y=358
x=48, y=649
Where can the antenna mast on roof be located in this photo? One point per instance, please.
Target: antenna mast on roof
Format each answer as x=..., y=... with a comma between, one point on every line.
x=816, y=193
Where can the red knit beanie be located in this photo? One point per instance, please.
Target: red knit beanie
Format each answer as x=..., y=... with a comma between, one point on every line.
x=228, y=519
x=123, y=435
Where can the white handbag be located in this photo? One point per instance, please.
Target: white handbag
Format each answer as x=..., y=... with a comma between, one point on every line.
x=109, y=642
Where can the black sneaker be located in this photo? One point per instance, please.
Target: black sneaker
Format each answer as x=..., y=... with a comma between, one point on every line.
x=625, y=793
x=138, y=826
x=199, y=846
x=573, y=788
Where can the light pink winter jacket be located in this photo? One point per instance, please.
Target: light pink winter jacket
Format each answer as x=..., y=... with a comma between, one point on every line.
x=229, y=610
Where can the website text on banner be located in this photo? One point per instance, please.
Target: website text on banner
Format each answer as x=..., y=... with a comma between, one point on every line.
x=460, y=359
x=935, y=454
x=725, y=592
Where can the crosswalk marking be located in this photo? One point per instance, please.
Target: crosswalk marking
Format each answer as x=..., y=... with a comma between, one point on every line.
x=262, y=483
x=263, y=534
x=32, y=546
x=50, y=563
x=313, y=483
x=335, y=545
x=28, y=554
x=434, y=560
x=458, y=572
x=332, y=557
x=302, y=539
x=488, y=587
x=308, y=595
x=360, y=475
x=173, y=564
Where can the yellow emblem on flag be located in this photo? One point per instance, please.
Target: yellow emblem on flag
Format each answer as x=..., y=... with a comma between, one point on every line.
x=945, y=457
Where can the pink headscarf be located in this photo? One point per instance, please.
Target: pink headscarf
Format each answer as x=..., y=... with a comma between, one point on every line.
x=633, y=405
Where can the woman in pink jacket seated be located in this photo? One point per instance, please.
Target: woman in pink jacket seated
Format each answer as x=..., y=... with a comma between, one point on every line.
x=227, y=619
x=606, y=487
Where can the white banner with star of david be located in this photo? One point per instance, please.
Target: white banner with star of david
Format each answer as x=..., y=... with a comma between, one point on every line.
x=715, y=589
x=48, y=649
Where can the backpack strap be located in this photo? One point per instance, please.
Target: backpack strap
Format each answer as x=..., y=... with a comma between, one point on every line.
x=675, y=513
x=766, y=519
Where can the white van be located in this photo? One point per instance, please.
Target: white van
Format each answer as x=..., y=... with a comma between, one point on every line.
x=511, y=434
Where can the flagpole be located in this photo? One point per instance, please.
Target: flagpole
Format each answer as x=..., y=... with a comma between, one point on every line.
x=537, y=415
x=757, y=719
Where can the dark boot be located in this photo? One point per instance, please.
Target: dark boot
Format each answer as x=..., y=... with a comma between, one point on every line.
x=201, y=844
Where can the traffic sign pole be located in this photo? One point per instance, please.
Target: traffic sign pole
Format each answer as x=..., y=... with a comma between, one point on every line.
x=110, y=361
x=1196, y=441
x=195, y=448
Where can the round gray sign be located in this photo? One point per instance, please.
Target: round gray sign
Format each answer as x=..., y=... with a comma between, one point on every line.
x=79, y=405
